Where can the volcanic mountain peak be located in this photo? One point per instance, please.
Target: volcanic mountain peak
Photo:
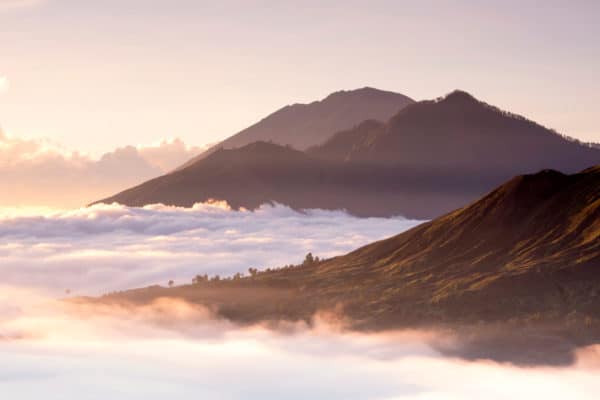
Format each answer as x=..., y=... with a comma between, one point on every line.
x=303, y=125
x=458, y=131
x=456, y=104
x=431, y=157
x=460, y=96
x=366, y=93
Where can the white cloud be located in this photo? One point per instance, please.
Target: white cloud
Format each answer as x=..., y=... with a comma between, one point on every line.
x=169, y=154
x=176, y=350
x=104, y=248
x=38, y=172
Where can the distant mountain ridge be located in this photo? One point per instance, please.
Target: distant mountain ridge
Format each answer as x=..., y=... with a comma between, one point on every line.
x=458, y=131
x=262, y=172
x=305, y=125
x=429, y=158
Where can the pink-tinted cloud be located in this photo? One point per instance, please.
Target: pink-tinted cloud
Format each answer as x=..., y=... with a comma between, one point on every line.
x=40, y=173
x=167, y=154
x=170, y=348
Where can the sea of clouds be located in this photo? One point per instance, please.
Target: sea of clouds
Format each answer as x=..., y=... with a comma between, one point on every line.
x=60, y=350
x=112, y=247
x=171, y=349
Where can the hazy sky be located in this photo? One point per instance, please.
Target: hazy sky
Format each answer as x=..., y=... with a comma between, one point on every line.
x=94, y=75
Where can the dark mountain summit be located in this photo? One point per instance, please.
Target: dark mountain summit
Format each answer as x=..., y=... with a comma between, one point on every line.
x=458, y=131
x=305, y=125
x=430, y=158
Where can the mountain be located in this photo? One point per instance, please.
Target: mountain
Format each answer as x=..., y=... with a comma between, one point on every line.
x=459, y=131
x=262, y=172
x=523, y=262
x=430, y=158
x=305, y=125
x=530, y=246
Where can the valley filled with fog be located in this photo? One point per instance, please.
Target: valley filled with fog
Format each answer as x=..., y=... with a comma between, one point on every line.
x=59, y=349
x=298, y=200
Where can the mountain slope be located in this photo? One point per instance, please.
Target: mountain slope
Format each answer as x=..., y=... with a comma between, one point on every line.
x=261, y=172
x=305, y=125
x=519, y=269
x=541, y=231
x=532, y=245
x=430, y=158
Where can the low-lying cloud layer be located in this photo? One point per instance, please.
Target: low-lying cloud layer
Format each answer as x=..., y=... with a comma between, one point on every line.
x=112, y=247
x=39, y=173
x=173, y=349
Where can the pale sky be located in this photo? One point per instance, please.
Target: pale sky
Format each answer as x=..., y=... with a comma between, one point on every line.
x=94, y=75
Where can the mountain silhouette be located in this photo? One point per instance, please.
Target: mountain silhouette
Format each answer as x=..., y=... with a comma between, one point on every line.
x=430, y=158
x=262, y=172
x=305, y=125
x=459, y=132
